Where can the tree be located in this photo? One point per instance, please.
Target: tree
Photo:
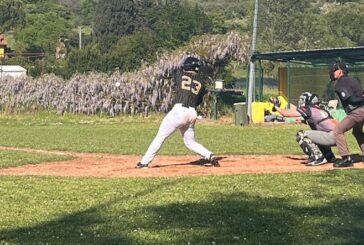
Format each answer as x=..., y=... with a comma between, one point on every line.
x=288, y=25
x=120, y=17
x=280, y=23
x=87, y=59
x=312, y=32
x=175, y=23
x=346, y=25
x=41, y=33
x=87, y=11
x=82, y=10
x=166, y=25
x=130, y=51
x=11, y=14
x=227, y=15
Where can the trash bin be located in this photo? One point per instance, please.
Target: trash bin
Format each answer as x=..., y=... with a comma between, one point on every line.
x=241, y=117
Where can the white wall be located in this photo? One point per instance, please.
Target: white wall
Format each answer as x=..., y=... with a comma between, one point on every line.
x=12, y=70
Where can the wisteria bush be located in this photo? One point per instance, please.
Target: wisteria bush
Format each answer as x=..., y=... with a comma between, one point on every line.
x=150, y=89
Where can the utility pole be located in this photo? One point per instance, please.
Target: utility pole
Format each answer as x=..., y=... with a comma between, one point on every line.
x=80, y=37
x=1, y=69
x=3, y=44
x=251, y=88
x=2, y=56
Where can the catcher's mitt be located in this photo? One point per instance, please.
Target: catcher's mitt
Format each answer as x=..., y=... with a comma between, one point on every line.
x=276, y=102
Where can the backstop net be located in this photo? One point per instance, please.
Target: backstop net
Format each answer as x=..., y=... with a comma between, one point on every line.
x=296, y=78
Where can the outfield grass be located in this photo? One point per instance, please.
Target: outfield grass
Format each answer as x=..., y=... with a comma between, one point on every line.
x=16, y=158
x=133, y=135
x=295, y=208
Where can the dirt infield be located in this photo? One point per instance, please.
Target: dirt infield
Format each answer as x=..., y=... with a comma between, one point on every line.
x=107, y=165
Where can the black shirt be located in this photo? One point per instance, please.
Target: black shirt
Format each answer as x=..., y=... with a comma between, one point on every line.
x=190, y=90
x=345, y=88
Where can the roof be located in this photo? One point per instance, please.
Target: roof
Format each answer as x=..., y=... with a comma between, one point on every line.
x=12, y=68
x=350, y=55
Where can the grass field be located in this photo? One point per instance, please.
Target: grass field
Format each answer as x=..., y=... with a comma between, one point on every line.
x=296, y=208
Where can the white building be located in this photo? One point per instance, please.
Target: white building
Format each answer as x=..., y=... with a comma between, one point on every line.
x=12, y=70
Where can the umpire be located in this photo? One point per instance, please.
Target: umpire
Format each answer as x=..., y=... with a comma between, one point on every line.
x=350, y=94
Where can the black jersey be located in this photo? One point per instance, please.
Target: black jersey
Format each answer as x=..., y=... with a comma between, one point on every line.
x=345, y=88
x=190, y=90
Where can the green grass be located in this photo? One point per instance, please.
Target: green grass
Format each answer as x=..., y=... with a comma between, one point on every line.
x=133, y=136
x=299, y=208
x=16, y=158
x=295, y=208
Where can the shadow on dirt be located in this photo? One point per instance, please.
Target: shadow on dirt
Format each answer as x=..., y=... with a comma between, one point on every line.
x=200, y=162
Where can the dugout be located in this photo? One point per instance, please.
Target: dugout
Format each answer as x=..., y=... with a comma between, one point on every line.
x=301, y=71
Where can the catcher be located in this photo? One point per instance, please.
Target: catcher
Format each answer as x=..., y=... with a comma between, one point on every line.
x=317, y=142
x=190, y=93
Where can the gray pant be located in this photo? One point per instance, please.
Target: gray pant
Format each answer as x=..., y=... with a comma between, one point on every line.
x=320, y=137
x=354, y=120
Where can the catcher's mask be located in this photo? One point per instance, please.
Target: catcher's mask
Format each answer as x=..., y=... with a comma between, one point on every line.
x=191, y=64
x=338, y=66
x=308, y=98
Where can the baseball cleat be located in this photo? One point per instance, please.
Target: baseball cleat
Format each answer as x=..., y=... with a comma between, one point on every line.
x=318, y=162
x=213, y=161
x=344, y=162
x=309, y=160
x=140, y=165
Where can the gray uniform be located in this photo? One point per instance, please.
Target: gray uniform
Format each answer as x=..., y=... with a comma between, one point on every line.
x=321, y=133
x=322, y=124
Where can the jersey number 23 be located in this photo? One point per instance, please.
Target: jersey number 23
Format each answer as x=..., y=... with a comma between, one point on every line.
x=191, y=85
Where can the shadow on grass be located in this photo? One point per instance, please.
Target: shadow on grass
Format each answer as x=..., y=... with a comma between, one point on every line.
x=242, y=219
x=237, y=218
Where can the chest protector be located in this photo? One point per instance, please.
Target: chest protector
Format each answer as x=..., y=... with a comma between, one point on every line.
x=318, y=117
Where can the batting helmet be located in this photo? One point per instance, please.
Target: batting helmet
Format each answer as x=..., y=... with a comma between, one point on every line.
x=191, y=64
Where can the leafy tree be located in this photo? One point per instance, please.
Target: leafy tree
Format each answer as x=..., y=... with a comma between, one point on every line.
x=41, y=33
x=87, y=59
x=166, y=25
x=119, y=17
x=346, y=25
x=83, y=11
x=218, y=21
x=231, y=9
x=226, y=16
x=287, y=25
x=11, y=14
x=175, y=23
x=130, y=51
x=130, y=32
x=344, y=1
x=280, y=23
x=312, y=31
x=88, y=8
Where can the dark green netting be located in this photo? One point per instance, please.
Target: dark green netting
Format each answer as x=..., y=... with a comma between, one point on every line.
x=316, y=80
x=306, y=70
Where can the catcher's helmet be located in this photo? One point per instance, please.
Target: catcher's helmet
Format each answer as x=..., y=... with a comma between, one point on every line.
x=191, y=64
x=338, y=66
x=308, y=98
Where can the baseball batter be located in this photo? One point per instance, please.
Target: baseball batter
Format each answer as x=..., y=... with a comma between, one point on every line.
x=190, y=92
